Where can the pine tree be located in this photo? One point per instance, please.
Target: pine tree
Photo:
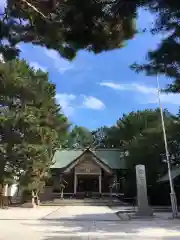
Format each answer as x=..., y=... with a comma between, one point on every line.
x=31, y=124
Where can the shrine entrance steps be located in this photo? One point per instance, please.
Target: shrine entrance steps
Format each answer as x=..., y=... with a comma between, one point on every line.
x=108, y=201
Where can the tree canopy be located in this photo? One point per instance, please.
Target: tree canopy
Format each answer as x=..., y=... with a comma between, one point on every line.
x=31, y=124
x=66, y=26
x=139, y=134
x=78, y=138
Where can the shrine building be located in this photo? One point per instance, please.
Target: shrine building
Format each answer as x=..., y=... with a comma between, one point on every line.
x=88, y=172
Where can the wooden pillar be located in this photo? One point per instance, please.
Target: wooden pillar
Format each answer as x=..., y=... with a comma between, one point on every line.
x=75, y=182
x=100, y=184
x=62, y=193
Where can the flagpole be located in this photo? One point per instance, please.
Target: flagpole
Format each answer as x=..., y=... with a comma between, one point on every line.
x=172, y=192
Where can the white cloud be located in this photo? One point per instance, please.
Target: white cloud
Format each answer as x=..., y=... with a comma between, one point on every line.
x=37, y=66
x=111, y=85
x=93, y=103
x=150, y=95
x=66, y=102
x=146, y=94
x=70, y=103
x=167, y=98
x=60, y=64
x=129, y=87
x=143, y=89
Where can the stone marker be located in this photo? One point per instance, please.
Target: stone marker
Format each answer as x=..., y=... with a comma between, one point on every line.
x=142, y=199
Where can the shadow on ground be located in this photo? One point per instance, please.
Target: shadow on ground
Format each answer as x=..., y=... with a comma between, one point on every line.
x=85, y=227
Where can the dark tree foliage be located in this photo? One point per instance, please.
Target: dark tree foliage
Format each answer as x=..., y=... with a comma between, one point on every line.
x=140, y=135
x=66, y=25
x=78, y=138
x=31, y=124
x=165, y=59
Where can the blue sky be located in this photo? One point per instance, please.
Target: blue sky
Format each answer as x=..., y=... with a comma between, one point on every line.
x=95, y=90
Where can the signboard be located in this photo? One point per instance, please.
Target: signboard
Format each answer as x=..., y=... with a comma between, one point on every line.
x=87, y=166
x=142, y=199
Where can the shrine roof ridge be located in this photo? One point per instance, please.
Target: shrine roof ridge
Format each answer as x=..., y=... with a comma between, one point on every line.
x=113, y=158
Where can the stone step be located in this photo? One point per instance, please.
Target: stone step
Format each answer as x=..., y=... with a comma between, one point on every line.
x=84, y=202
x=78, y=204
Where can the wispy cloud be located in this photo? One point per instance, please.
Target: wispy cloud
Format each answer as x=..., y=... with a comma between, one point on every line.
x=129, y=87
x=60, y=64
x=146, y=94
x=150, y=95
x=66, y=101
x=93, y=103
x=170, y=98
x=70, y=103
x=112, y=85
x=37, y=66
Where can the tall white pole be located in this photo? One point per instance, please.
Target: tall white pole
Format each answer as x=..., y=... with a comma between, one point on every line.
x=172, y=192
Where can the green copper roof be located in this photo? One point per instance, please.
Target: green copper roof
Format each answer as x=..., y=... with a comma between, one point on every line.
x=111, y=157
x=62, y=158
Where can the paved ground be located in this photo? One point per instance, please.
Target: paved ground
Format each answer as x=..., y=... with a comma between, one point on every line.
x=54, y=223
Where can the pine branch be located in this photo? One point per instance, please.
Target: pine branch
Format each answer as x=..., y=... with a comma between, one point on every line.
x=35, y=9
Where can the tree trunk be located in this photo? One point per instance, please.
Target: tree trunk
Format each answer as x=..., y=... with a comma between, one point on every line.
x=33, y=198
x=3, y=196
x=62, y=193
x=37, y=200
x=28, y=199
